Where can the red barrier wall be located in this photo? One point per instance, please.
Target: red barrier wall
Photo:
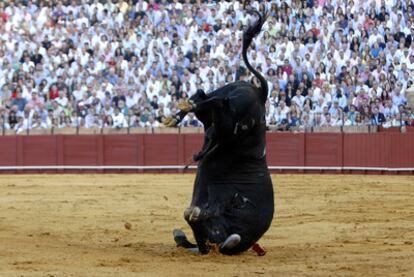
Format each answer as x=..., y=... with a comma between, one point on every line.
x=383, y=151
x=284, y=149
x=323, y=149
x=362, y=150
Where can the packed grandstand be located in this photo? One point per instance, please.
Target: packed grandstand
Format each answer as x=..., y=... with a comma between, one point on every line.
x=126, y=64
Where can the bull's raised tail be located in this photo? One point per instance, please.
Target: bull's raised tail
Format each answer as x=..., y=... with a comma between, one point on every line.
x=248, y=35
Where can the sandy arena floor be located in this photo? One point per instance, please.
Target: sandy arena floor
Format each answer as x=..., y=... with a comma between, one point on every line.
x=73, y=225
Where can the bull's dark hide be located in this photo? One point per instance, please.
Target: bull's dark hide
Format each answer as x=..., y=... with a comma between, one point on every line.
x=233, y=192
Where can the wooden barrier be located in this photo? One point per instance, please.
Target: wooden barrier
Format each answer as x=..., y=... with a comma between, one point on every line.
x=382, y=152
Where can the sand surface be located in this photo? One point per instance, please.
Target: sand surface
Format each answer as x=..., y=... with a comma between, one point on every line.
x=74, y=225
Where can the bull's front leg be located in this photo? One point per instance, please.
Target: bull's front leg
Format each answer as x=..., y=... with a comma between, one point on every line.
x=210, y=142
x=210, y=227
x=173, y=121
x=208, y=104
x=185, y=107
x=200, y=232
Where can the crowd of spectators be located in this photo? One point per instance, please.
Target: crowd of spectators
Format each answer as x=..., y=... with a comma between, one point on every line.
x=117, y=64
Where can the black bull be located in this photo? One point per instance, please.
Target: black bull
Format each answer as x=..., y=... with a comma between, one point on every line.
x=233, y=192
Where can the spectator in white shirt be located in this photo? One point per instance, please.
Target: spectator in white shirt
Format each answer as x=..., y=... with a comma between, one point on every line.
x=119, y=119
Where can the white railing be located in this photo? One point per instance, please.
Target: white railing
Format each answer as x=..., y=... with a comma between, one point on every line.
x=181, y=167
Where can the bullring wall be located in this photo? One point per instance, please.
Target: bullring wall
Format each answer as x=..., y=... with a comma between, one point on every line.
x=384, y=152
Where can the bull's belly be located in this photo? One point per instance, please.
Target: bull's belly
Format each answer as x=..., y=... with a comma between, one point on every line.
x=251, y=208
x=233, y=171
x=220, y=183
x=245, y=198
x=239, y=202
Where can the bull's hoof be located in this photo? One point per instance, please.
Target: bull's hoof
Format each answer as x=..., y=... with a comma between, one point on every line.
x=194, y=214
x=181, y=240
x=170, y=122
x=231, y=242
x=186, y=105
x=187, y=213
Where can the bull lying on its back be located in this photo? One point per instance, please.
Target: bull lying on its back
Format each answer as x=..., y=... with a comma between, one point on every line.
x=232, y=204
